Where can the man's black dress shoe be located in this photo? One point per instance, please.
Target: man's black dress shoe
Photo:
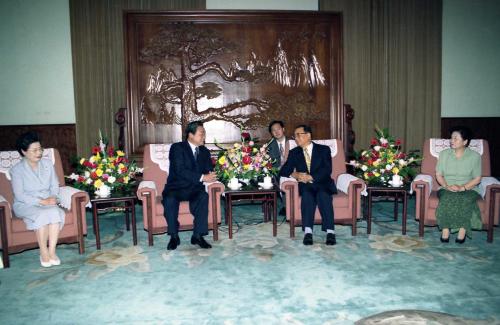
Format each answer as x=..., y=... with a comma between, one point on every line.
x=330, y=239
x=174, y=242
x=308, y=239
x=445, y=240
x=460, y=241
x=200, y=241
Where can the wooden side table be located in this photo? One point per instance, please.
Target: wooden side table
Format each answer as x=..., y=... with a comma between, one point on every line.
x=115, y=202
x=395, y=192
x=268, y=197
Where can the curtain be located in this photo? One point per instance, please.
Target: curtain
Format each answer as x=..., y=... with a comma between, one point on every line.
x=392, y=67
x=99, y=74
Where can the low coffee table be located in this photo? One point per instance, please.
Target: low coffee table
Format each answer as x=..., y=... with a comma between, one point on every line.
x=268, y=197
x=397, y=193
x=116, y=202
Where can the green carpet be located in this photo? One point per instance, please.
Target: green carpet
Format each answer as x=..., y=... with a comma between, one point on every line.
x=385, y=278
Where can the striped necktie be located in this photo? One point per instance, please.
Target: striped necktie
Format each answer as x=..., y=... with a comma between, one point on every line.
x=196, y=152
x=282, y=154
x=308, y=159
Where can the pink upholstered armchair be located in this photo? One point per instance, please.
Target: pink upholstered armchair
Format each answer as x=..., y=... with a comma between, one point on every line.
x=426, y=186
x=156, y=166
x=15, y=236
x=346, y=204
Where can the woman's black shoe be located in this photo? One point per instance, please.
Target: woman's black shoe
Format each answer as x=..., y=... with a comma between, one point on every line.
x=445, y=240
x=460, y=241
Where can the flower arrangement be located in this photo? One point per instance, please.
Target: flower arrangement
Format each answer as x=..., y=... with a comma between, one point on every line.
x=105, y=171
x=245, y=161
x=384, y=159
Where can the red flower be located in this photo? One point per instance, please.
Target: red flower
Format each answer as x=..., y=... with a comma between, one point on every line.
x=384, y=145
x=246, y=149
x=81, y=179
x=269, y=165
x=120, y=180
x=214, y=161
x=245, y=136
x=93, y=175
x=96, y=150
x=124, y=169
x=370, y=162
x=398, y=142
x=111, y=151
x=370, y=174
x=373, y=142
x=246, y=160
x=87, y=163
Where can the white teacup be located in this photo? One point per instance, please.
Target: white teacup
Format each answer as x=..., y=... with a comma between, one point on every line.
x=233, y=183
x=397, y=180
x=268, y=181
x=103, y=191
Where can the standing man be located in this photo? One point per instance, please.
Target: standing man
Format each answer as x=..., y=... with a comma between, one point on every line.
x=278, y=147
x=190, y=166
x=311, y=165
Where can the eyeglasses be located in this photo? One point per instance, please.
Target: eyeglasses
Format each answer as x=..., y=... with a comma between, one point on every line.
x=36, y=150
x=299, y=134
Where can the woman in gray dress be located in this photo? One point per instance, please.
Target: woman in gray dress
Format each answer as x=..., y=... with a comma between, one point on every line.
x=35, y=187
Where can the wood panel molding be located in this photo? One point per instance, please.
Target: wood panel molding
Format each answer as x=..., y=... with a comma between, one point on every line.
x=482, y=128
x=60, y=136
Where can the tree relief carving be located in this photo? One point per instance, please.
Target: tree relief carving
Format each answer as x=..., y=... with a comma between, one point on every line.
x=186, y=64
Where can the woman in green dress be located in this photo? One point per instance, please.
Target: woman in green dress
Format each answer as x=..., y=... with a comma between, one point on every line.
x=458, y=171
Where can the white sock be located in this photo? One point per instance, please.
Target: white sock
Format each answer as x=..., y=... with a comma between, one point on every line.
x=308, y=230
x=330, y=231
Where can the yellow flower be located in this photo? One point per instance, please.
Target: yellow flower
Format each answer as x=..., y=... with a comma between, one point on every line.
x=255, y=150
x=82, y=161
x=125, y=179
x=222, y=160
x=395, y=170
x=377, y=174
x=98, y=183
x=376, y=163
x=246, y=167
x=365, y=175
x=99, y=172
x=120, y=153
x=121, y=166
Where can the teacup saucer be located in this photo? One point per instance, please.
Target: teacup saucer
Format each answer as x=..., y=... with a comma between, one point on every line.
x=266, y=186
x=392, y=185
x=235, y=188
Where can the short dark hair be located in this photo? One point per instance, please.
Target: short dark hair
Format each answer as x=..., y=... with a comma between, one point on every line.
x=464, y=131
x=275, y=122
x=25, y=140
x=192, y=127
x=306, y=128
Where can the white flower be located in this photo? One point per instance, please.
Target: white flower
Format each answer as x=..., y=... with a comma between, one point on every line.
x=364, y=168
x=111, y=179
x=410, y=160
x=92, y=159
x=73, y=176
x=402, y=162
x=376, y=148
x=89, y=181
x=251, y=143
x=87, y=174
x=352, y=162
x=388, y=166
x=383, y=141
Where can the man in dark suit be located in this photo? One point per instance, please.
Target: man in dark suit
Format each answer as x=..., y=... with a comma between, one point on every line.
x=190, y=166
x=278, y=146
x=311, y=165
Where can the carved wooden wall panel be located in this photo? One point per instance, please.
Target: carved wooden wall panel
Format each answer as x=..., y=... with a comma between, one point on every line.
x=232, y=70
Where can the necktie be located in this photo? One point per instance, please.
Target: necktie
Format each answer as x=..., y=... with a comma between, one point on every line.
x=282, y=154
x=308, y=159
x=196, y=152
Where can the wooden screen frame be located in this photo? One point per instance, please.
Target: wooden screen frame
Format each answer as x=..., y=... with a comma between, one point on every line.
x=335, y=73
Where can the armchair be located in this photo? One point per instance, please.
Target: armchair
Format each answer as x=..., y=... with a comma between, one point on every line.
x=15, y=236
x=156, y=166
x=346, y=204
x=426, y=187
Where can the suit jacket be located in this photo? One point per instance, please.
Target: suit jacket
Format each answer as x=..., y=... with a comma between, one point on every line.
x=185, y=173
x=274, y=152
x=321, y=167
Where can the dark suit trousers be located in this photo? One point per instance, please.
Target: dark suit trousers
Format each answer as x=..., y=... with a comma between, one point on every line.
x=313, y=197
x=198, y=206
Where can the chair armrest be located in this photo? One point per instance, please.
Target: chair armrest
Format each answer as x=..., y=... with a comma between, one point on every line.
x=212, y=185
x=68, y=197
x=148, y=187
x=345, y=182
x=422, y=180
x=487, y=184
